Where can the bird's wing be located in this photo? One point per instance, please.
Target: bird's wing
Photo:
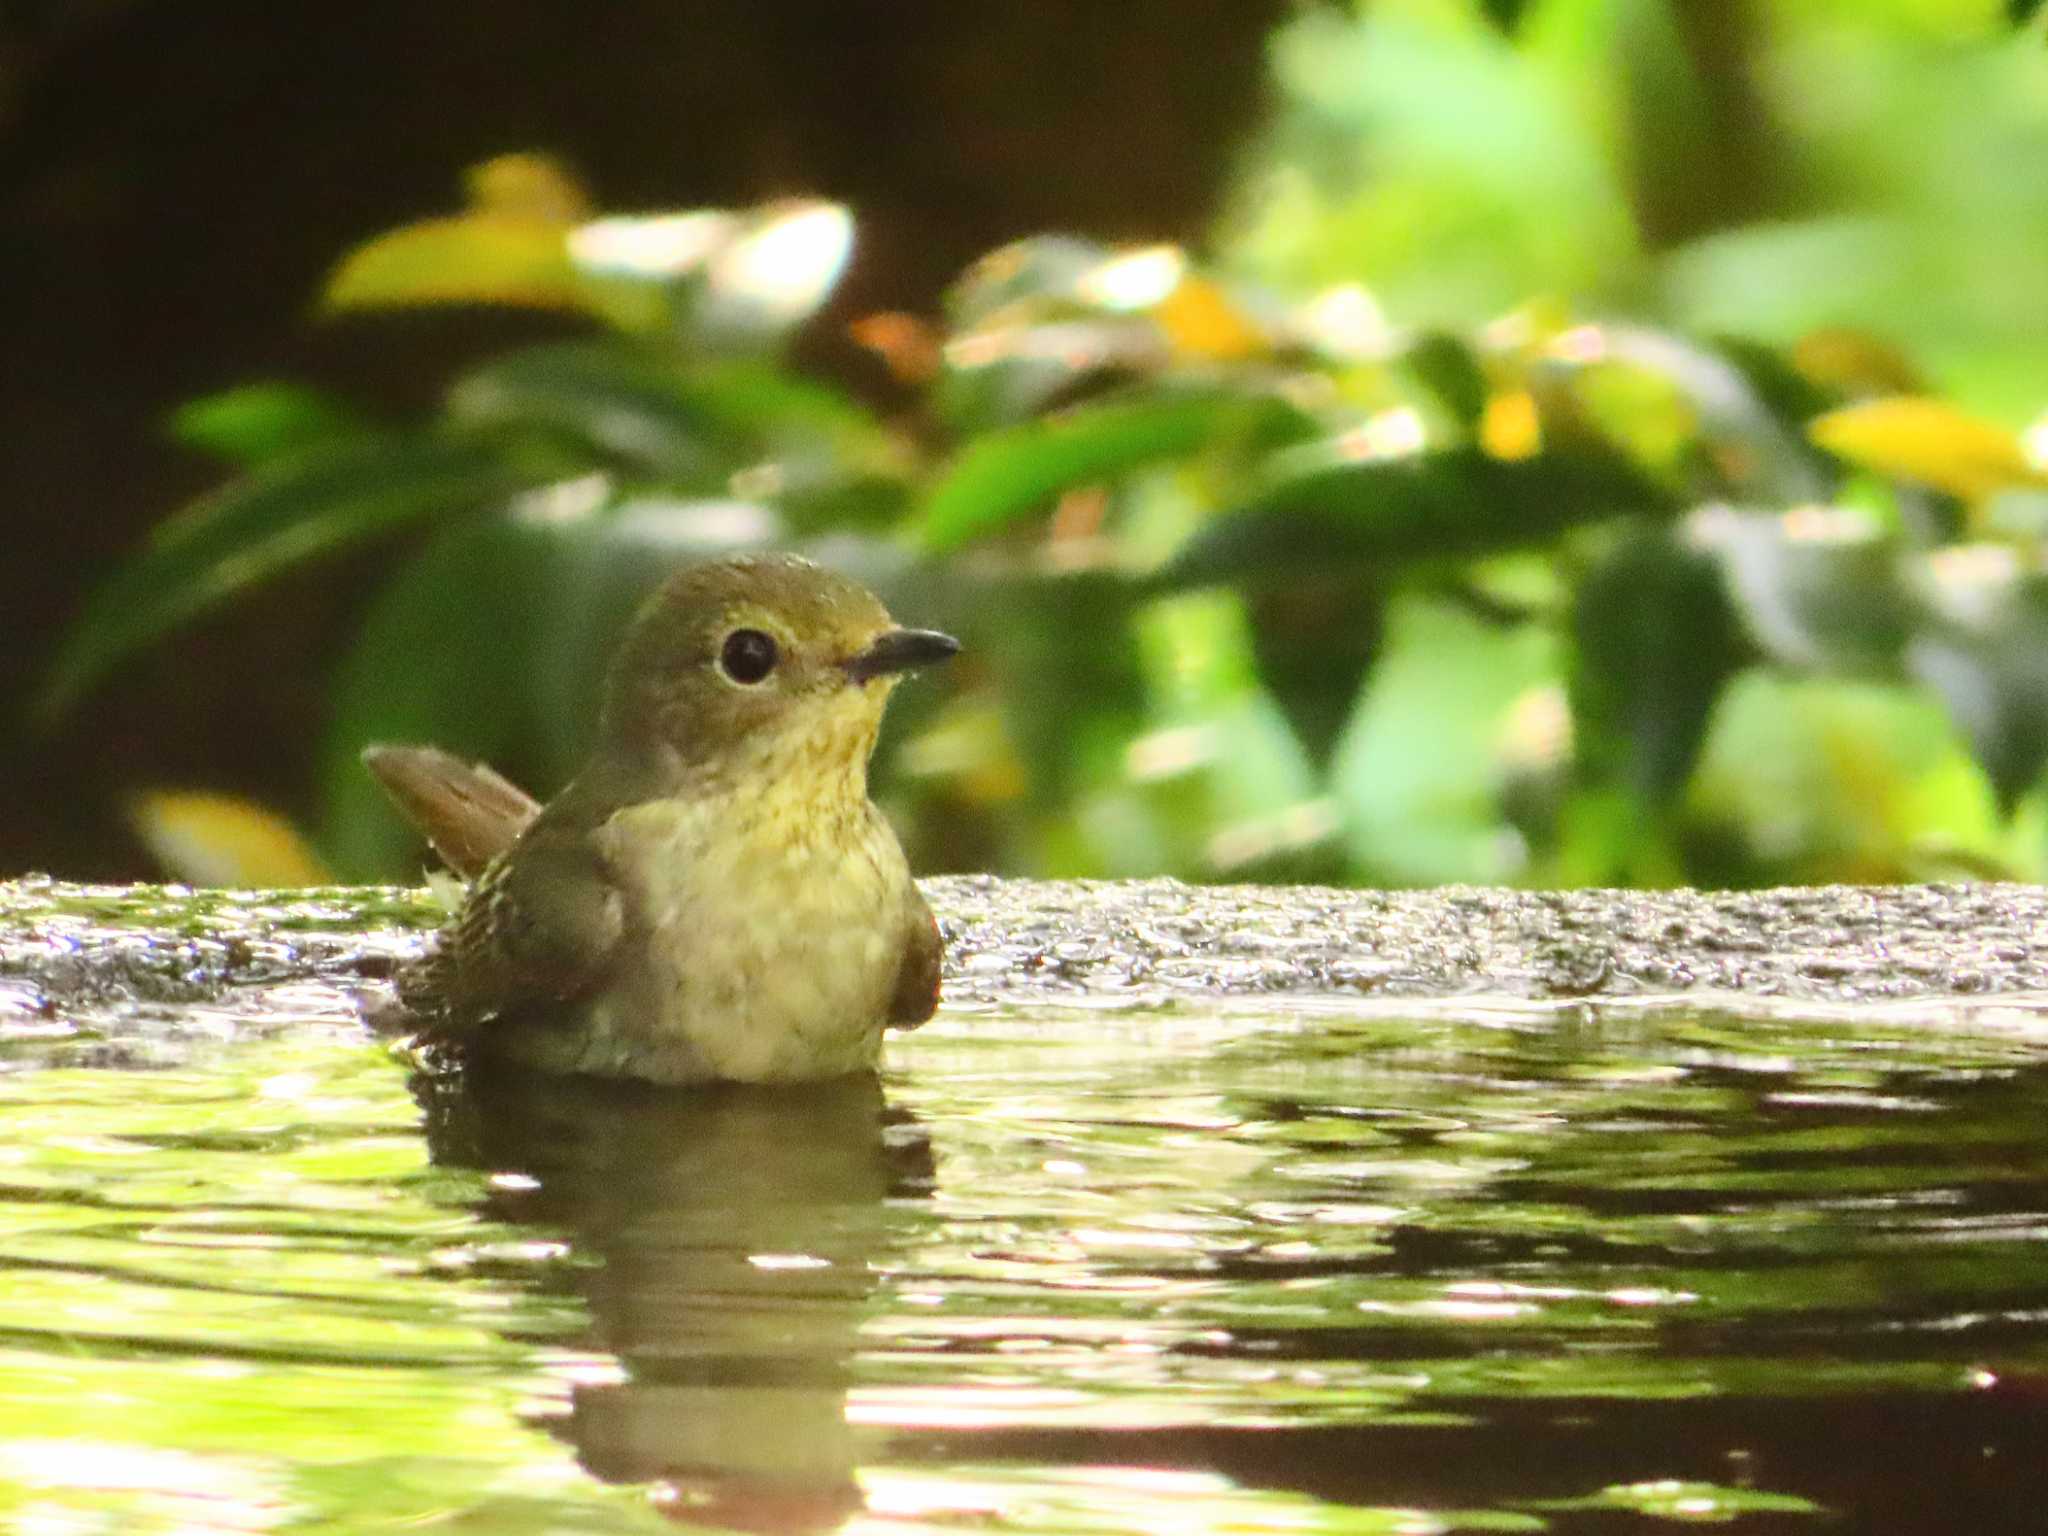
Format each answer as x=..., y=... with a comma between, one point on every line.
x=468, y=812
x=541, y=925
x=916, y=997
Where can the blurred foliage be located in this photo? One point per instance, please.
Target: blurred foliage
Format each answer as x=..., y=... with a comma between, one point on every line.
x=1599, y=453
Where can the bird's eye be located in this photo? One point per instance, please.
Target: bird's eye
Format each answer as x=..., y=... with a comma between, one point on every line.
x=748, y=655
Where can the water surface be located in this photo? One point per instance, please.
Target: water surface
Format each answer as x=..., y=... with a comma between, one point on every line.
x=1062, y=1270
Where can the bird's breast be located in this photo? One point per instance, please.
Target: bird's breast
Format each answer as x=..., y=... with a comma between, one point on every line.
x=765, y=938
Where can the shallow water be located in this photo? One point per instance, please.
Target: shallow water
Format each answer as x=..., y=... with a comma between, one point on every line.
x=1486, y=1270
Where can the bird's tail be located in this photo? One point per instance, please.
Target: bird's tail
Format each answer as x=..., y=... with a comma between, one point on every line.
x=468, y=812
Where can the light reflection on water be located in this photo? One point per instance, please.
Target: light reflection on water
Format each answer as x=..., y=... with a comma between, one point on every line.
x=1060, y=1271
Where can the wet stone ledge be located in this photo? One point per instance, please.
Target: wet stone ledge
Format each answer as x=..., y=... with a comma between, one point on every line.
x=1826, y=944
x=151, y=962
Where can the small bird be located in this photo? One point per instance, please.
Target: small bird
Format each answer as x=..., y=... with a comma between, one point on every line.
x=714, y=895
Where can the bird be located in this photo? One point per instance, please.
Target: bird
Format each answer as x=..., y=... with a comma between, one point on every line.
x=713, y=896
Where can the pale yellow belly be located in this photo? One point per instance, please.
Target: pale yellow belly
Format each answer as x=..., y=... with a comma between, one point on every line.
x=756, y=966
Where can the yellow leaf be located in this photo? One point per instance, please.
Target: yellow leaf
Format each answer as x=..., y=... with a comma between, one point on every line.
x=1511, y=428
x=208, y=839
x=474, y=258
x=511, y=246
x=1201, y=320
x=1915, y=437
x=533, y=187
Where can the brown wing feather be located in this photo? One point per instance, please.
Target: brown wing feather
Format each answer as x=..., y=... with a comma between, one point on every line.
x=916, y=997
x=540, y=925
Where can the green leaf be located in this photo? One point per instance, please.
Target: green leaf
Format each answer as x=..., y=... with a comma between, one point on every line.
x=1072, y=689
x=1421, y=768
x=838, y=503
x=1325, y=511
x=1444, y=364
x=1315, y=641
x=1015, y=374
x=253, y=424
x=1506, y=15
x=1808, y=780
x=690, y=427
x=612, y=405
x=286, y=513
x=1791, y=396
x=444, y=658
x=1818, y=589
x=1234, y=791
x=1655, y=641
x=1746, y=432
x=1009, y=474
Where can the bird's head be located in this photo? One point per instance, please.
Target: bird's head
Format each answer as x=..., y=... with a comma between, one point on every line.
x=758, y=664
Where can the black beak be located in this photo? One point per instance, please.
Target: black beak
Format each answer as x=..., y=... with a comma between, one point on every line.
x=899, y=650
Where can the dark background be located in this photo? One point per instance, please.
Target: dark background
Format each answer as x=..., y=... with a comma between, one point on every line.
x=175, y=177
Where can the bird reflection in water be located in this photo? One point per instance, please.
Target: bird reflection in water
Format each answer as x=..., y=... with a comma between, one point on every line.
x=729, y=1238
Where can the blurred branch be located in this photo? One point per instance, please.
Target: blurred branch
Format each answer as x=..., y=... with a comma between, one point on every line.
x=1692, y=100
